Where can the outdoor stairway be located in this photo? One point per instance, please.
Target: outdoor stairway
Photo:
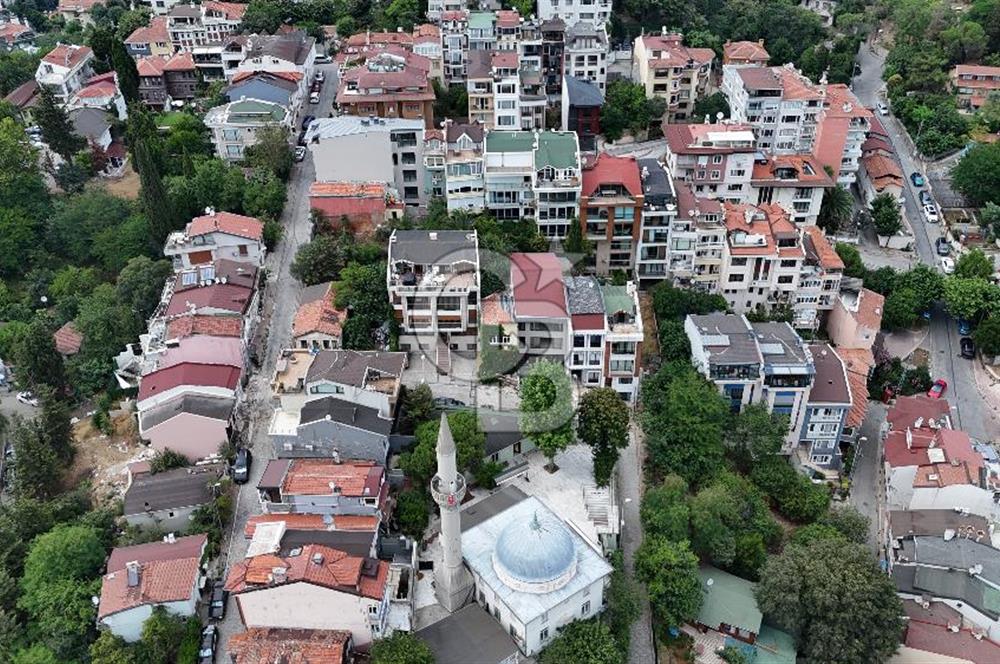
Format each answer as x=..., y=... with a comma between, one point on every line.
x=443, y=359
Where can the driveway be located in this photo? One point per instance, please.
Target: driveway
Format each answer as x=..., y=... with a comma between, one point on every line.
x=280, y=302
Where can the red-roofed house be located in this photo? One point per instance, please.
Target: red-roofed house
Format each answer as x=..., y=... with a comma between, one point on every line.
x=64, y=70
x=879, y=174
x=301, y=646
x=611, y=211
x=677, y=73
x=323, y=486
x=388, y=86
x=795, y=182
x=150, y=40
x=745, y=53
x=77, y=10
x=716, y=159
x=17, y=37
x=142, y=577
x=163, y=79
x=101, y=92
x=218, y=235
x=318, y=323
x=367, y=206
x=843, y=127
x=540, y=304
x=973, y=84
x=68, y=340
x=218, y=380
x=819, y=284
x=855, y=319
x=317, y=588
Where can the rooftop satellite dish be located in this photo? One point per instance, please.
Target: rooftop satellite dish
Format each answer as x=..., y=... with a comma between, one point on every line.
x=719, y=115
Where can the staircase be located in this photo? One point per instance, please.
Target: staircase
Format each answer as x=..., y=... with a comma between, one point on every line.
x=443, y=362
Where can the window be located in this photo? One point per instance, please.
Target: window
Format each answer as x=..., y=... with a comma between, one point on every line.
x=517, y=447
x=585, y=609
x=733, y=278
x=544, y=634
x=717, y=159
x=244, y=250
x=821, y=458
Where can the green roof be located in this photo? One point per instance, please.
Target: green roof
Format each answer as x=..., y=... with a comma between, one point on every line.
x=728, y=599
x=617, y=298
x=556, y=149
x=774, y=647
x=510, y=141
x=257, y=108
x=481, y=20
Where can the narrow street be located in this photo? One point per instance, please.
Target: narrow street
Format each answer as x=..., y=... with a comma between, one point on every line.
x=630, y=496
x=280, y=303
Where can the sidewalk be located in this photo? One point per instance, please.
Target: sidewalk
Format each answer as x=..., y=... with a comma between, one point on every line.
x=988, y=385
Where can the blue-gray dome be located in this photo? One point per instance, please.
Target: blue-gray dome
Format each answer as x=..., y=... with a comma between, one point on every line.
x=535, y=556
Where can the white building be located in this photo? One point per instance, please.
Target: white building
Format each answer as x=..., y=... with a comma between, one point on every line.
x=586, y=53
x=217, y=235
x=574, y=11
x=455, y=44
x=234, y=126
x=716, y=159
x=795, y=182
x=191, y=25
x=679, y=74
x=780, y=103
x=292, y=52
x=64, y=70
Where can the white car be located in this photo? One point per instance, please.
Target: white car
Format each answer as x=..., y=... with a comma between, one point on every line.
x=947, y=265
x=28, y=398
x=883, y=109
x=931, y=214
x=314, y=98
x=320, y=76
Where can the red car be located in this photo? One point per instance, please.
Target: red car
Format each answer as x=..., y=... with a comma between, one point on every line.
x=938, y=388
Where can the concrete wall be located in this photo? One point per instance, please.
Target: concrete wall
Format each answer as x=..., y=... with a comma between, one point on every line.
x=128, y=624
x=171, y=520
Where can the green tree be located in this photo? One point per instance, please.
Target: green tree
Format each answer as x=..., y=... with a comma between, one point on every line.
x=162, y=633
x=320, y=260
x=78, y=221
x=469, y=439
x=362, y=289
x=140, y=284
x=583, y=642
x=36, y=358
x=264, y=195
x=670, y=302
x=849, y=522
x=836, y=209
x=54, y=424
x=187, y=140
x=402, y=14
x=263, y=16
x=418, y=403
x=412, y=513
x=674, y=342
x=866, y=626
x=152, y=193
x=57, y=132
x=111, y=649
x=926, y=282
x=902, y=309
x=167, y=459
x=670, y=572
x=37, y=470
x=853, y=265
x=401, y=648
x=271, y=152
x=603, y=423
x=970, y=298
x=885, y=215
x=106, y=323
x=36, y=654
x=18, y=239
x=547, y=408
x=977, y=174
x=17, y=67
x=576, y=242
x=794, y=495
x=989, y=112
x=21, y=184
x=622, y=598
x=974, y=264
x=987, y=336
x=664, y=511
x=755, y=434
x=625, y=109
x=125, y=68
x=710, y=107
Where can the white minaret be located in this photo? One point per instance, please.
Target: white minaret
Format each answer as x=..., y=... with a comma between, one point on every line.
x=452, y=582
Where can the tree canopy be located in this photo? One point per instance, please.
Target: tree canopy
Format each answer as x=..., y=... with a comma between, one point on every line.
x=547, y=407
x=603, y=423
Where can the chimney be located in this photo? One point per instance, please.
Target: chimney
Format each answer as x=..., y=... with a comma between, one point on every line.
x=132, y=569
x=317, y=558
x=170, y=539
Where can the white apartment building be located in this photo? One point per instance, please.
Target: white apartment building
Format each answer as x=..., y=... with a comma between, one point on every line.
x=677, y=73
x=795, y=182
x=427, y=43
x=437, y=9
x=506, y=90
x=455, y=44
x=819, y=284
x=586, y=53
x=716, y=159
x=234, y=126
x=453, y=158
x=482, y=31
x=64, y=70
x=653, y=253
x=574, y=11
x=781, y=104
x=191, y=25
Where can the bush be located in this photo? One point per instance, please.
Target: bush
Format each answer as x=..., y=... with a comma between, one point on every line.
x=167, y=460
x=487, y=472
x=791, y=492
x=412, y=513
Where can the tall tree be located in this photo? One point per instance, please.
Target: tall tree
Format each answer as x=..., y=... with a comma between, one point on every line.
x=835, y=210
x=603, y=423
x=271, y=152
x=974, y=264
x=670, y=572
x=21, y=184
x=664, y=511
x=401, y=648
x=977, y=174
x=583, y=642
x=152, y=195
x=36, y=358
x=140, y=283
x=885, y=215
x=56, y=128
x=128, y=74
x=795, y=591
x=547, y=407
x=756, y=433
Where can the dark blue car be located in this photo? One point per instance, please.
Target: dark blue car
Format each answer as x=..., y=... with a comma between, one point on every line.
x=964, y=327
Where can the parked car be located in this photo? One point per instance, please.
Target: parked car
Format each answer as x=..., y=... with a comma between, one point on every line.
x=28, y=398
x=942, y=247
x=206, y=651
x=314, y=98
x=307, y=120
x=938, y=388
x=917, y=179
x=447, y=403
x=217, y=602
x=300, y=152
x=241, y=466
x=931, y=214
x=322, y=59
x=883, y=109
x=320, y=76
x=964, y=327
x=968, y=348
x=947, y=265
x=926, y=198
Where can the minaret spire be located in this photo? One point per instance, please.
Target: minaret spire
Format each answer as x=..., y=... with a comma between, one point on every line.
x=452, y=582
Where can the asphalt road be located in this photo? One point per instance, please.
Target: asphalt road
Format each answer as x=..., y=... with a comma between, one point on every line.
x=280, y=302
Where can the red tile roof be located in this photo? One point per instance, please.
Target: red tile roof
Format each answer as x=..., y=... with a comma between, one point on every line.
x=67, y=339
x=318, y=477
x=313, y=522
x=842, y=103
x=609, y=169
x=78, y=5
x=976, y=70
x=10, y=31
x=870, y=307
x=151, y=65
x=504, y=59
x=191, y=546
x=492, y=311
x=942, y=641
x=97, y=89
x=315, y=564
x=232, y=10
x=191, y=374
x=538, y=285
x=508, y=18
x=24, y=95
x=67, y=55
x=857, y=362
x=213, y=326
x=769, y=221
x=271, y=645
x=907, y=410
x=745, y=52
x=155, y=32
x=828, y=258
x=808, y=171
x=183, y=61
x=160, y=582
x=228, y=223
x=369, y=37
x=675, y=54
x=228, y=297
x=689, y=138
x=319, y=316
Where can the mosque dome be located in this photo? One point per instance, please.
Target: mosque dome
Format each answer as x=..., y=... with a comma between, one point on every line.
x=535, y=556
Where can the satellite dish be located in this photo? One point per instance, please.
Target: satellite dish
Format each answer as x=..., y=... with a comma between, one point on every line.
x=719, y=115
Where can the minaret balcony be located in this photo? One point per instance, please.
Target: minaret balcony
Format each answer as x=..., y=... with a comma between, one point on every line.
x=444, y=496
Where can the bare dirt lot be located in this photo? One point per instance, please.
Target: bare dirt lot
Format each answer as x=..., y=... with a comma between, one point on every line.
x=102, y=458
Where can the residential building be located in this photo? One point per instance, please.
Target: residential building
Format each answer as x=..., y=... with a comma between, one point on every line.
x=505, y=443
x=483, y=87
x=879, y=171
x=163, y=80
x=324, y=487
x=285, y=52
x=191, y=25
x=856, y=318
x=212, y=380
x=92, y=125
x=572, y=12
x=280, y=87
x=166, y=500
x=765, y=363
x=219, y=60
x=330, y=427
x=942, y=635
x=553, y=55
x=585, y=302
x=16, y=36
x=24, y=98
x=101, y=93
x=462, y=160
x=611, y=206
x=703, y=221
x=427, y=43
x=454, y=44
x=366, y=207
x=234, y=126
x=841, y=132
x=433, y=283
x=355, y=149
x=140, y=578
x=677, y=73
x=388, y=86
x=973, y=84
x=623, y=340
x=655, y=252
x=717, y=160
x=194, y=425
x=67, y=339
x=150, y=40
x=745, y=53
x=539, y=307
x=826, y=413
x=586, y=53
x=481, y=31
x=318, y=324
x=782, y=105
x=262, y=645
x=437, y=9
x=64, y=70
x=217, y=236
x=819, y=281
x=313, y=587
x=795, y=182
x=77, y=10
x=581, y=111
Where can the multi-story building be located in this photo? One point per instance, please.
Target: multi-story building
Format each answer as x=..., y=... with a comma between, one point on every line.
x=795, y=182
x=973, y=84
x=538, y=306
x=290, y=52
x=493, y=87
x=508, y=30
x=553, y=52
x=842, y=131
x=164, y=79
x=573, y=11
x=623, y=339
x=482, y=31
x=150, y=40
x=356, y=149
x=765, y=363
x=826, y=412
x=716, y=159
x=781, y=104
x=216, y=236
x=819, y=283
x=586, y=53
x=479, y=88
x=433, y=283
x=234, y=126
x=217, y=61
x=437, y=9
x=677, y=73
x=581, y=111
x=427, y=44
x=64, y=70
x=191, y=25
x=611, y=206
x=389, y=86
x=464, y=187
x=742, y=53
x=654, y=253
x=324, y=486
x=455, y=44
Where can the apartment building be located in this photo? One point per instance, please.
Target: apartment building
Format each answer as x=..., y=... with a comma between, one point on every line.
x=150, y=40
x=437, y=10
x=572, y=12
x=455, y=44
x=164, y=79
x=291, y=52
x=842, y=131
x=819, y=282
x=781, y=104
x=191, y=25
x=653, y=252
x=389, y=86
x=585, y=53
x=427, y=44
x=234, y=126
x=795, y=182
x=216, y=236
x=482, y=31
x=581, y=111
x=745, y=53
x=827, y=408
x=716, y=159
x=493, y=86
x=973, y=84
x=433, y=283
x=697, y=240
x=539, y=307
x=553, y=53
x=64, y=70
x=219, y=60
x=355, y=149
x=765, y=363
x=611, y=207
x=462, y=160
x=677, y=73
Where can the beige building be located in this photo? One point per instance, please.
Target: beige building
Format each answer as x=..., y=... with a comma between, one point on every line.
x=677, y=73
